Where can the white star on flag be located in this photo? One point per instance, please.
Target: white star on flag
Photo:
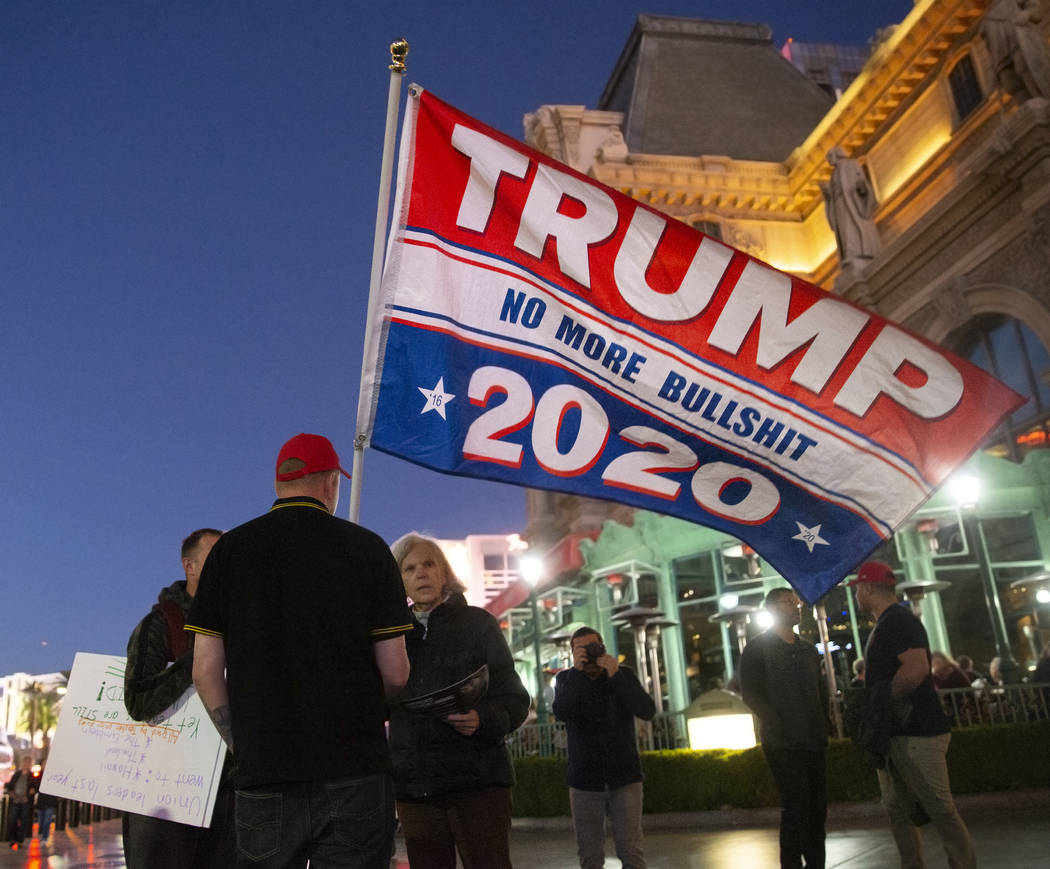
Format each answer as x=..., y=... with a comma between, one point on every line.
x=810, y=536
x=437, y=398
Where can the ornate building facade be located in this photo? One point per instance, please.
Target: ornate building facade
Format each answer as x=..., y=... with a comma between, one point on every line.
x=943, y=142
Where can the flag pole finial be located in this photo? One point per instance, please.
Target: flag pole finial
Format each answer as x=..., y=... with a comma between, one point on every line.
x=398, y=53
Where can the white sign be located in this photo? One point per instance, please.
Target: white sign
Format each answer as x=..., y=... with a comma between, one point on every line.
x=169, y=768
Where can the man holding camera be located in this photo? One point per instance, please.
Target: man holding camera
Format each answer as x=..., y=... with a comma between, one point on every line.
x=598, y=699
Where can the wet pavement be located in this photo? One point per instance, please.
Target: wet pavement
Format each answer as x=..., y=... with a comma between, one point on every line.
x=1009, y=831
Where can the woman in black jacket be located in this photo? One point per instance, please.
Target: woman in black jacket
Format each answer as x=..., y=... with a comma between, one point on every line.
x=453, y=774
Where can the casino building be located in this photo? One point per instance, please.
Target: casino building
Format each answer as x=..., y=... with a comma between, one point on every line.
x=945, y=118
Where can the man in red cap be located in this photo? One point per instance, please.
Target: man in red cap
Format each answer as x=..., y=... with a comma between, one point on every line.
x=914, y=782
x=300, y=620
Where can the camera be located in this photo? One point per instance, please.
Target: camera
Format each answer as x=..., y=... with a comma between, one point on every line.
x=594, y=651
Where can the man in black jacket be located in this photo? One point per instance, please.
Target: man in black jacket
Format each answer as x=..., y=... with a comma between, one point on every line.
x=598, y=699
x=781, y=682
x=159, y=669
x=23, y=789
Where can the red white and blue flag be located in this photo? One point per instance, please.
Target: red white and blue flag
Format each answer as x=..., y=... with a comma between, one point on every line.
x=541, y=329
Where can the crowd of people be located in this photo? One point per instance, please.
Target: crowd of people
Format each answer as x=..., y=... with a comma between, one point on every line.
x=972, y=697
x=306, y=637
x=356, y=688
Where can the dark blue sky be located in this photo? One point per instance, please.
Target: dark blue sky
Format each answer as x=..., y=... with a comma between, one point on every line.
x=187, y=201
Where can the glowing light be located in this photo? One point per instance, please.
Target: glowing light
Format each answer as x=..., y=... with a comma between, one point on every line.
x=1043, y=595
x=965, y=488
x=459, y=558
x=919, y=154
x=728, y=601
x=531, y=569
x=764, y=619
x=799, y=263
x=1032, y=438
x=722, y=731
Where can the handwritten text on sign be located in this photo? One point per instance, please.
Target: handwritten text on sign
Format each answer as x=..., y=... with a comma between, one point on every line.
x=100, y=755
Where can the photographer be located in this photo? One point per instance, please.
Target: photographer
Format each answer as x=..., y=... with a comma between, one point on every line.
x=598, y=700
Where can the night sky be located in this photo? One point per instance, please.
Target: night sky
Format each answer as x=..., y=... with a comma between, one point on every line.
x=187, y=205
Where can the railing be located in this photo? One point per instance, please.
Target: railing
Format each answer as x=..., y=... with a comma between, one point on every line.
x=69, y=813
x=965, y=707
x=1006, y=704
x=667, y=730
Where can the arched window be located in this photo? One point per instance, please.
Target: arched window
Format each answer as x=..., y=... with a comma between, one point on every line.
x=1007, y=349
x=966, y=89
x=709, y=227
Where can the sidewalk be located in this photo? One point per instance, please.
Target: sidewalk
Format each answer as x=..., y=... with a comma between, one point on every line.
x=1010, y=830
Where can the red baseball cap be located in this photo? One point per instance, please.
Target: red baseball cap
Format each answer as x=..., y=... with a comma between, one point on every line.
x=314, y=451
x=874, y=571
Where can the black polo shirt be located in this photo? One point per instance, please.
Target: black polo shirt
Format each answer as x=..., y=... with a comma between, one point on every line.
x=298, y=597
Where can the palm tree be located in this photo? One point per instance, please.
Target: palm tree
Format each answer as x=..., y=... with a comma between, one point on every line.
x=40, y=710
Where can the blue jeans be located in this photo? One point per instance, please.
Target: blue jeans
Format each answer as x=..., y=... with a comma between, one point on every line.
x=47, y=817
x=343, y=824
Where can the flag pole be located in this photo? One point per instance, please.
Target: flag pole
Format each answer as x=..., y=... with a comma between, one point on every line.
x=398, y=52
x=820, y=613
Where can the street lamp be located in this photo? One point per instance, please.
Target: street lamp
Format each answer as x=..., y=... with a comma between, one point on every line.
x=640, y=619
x=531, y=572
x=652, y=646
x=736, y=616
x=915, y=590
x=966, y=490
x=1040, y=582
x=635, y=618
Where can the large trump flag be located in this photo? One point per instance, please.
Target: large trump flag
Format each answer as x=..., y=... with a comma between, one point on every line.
x=541, y=329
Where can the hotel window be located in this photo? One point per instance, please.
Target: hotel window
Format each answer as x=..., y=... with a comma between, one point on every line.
x=711, y=228
x=1009, y=350
x=966, y=90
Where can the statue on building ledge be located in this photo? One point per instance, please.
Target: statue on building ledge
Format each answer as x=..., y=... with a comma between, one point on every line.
x=613, y=149
x=849, y=203
x=1018, y=50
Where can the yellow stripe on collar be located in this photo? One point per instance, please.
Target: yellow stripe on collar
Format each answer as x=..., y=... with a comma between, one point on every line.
x=300, y=504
